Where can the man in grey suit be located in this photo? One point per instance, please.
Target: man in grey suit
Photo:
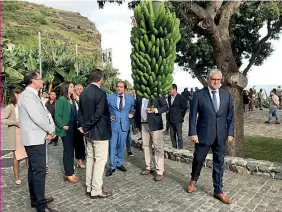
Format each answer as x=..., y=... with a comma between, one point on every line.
x=35, y=127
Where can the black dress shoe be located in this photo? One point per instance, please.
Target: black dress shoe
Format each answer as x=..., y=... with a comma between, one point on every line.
x=48, y=199
x=110, y=172
x=130, y=154
x=122, y=168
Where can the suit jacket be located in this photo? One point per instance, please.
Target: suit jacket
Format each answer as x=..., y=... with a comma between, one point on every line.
x=35, y=122
x=9, y=118
x=177, y=109
x=211, y=124
x=94, y=114
x=154, y=120
x=62, y=115
x=121, y=117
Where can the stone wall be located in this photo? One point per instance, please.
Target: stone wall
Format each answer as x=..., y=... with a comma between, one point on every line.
x=234, y=164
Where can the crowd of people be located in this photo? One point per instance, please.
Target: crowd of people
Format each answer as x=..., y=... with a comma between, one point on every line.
x=274, y=102
x=98, y=127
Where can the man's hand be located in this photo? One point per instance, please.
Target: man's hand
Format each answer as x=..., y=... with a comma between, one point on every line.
x=195, y=139
x=149, y=110
x=153, y=110
x=229, y=138
x=130, y=116
x=112, y=118
x=17, y=124
x=81, y=130
x=49, y=136
x=66, y=127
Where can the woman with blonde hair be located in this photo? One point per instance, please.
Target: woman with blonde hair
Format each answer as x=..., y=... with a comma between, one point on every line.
x=10, y=118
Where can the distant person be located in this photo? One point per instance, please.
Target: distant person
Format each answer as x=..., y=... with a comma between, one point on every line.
x=260, y=98
x=245, y=101
x=51, y=107
x=273, y=107
x=279, y=94
x=177, y=107
x=167, y=125
x=44, y=97
x=79, y=145
x=191, y=94
x=10, y=117
x=251, y=99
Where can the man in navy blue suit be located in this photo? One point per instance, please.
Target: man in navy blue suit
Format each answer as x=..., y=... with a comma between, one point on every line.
x=212, y=129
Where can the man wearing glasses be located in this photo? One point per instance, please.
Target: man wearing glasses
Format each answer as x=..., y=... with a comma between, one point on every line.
x=213, y=127
x=35, y=127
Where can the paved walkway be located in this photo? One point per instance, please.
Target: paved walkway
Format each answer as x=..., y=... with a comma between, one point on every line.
x=133, y=192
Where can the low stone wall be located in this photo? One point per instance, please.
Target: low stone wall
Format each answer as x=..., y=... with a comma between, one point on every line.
x=234, y=164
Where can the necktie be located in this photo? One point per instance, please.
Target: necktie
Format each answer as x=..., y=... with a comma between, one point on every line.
x=214, y=101
x=120, y=103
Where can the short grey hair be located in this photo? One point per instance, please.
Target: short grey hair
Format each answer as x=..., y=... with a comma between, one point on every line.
x=214, y=70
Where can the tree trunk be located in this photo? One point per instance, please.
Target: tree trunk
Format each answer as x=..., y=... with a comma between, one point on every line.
x=235, y=148
x=232, y=82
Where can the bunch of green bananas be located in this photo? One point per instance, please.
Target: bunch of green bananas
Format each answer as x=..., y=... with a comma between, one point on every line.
x=154, y=40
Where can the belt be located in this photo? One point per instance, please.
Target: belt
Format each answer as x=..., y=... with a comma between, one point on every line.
x=144, y=122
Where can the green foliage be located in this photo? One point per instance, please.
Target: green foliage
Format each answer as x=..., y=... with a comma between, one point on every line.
x=196, y=53
x=23, y=20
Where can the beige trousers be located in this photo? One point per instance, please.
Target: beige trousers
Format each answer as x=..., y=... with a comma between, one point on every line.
x=155, y=138
x=97, y=155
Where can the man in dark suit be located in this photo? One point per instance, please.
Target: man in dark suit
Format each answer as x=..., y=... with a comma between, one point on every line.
x=177, y=109
x=212, y=129
x=148, y=118
x=95, y=122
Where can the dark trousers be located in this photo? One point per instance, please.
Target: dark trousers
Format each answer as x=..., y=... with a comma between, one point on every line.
x=68, y=155
x=55, y=140
x=200, y=153
x=167, y=122
x=79, y=146
x=37, y=175
x=129, y=139
x=176, y=135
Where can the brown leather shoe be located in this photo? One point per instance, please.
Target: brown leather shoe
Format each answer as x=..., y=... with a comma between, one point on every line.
x=191, y=186
x=223, y=198
x=104, y=194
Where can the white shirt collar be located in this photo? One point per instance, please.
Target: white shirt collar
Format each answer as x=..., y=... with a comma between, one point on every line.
x=32, y=90
x=210, y=90
x=94, y=83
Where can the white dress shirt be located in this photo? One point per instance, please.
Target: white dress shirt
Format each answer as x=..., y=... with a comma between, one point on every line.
x=123, y=100
x=144, y=107
x=216, y=95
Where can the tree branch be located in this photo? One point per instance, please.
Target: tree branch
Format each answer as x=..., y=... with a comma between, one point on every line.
x=227, y=12
x=213, y=7
x=254, y=56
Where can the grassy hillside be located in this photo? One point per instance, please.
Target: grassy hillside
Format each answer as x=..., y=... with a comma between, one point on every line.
x=22, y=21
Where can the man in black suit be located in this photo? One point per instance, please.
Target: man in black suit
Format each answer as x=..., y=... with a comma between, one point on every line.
x=95, y=122
x=211, y=125
x=148, y=118
x=177, y=109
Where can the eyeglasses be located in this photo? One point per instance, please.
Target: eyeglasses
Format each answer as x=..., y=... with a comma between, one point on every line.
x=212, y=79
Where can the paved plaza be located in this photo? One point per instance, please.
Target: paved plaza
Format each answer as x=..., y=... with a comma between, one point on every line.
x=133, y=192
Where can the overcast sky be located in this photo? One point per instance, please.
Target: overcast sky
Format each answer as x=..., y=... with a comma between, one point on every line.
x=114, y=24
